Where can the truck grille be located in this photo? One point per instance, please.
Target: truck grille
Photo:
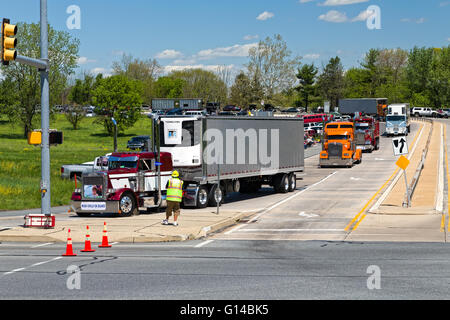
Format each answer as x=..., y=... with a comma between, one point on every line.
x=94, y=186
x=335, y=149
x=360, y=138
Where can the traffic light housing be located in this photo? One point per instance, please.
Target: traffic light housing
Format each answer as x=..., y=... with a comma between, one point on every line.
x=9, y=43
x=55, y=137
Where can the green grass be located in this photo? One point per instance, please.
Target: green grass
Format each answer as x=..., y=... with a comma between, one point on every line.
x=20, y=163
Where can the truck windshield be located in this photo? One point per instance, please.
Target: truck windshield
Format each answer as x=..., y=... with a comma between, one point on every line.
x=337, y=137
x=362, y=126
x=395, y=118
x=126, y=162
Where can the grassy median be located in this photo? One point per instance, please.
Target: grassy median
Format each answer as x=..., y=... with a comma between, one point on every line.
x=20, y=163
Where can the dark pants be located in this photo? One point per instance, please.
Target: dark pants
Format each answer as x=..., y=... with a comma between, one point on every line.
x=173, y=206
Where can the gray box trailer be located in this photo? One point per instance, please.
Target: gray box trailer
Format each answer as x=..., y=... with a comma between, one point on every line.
x=368, y=106
x=185, y=104
x=242, y=152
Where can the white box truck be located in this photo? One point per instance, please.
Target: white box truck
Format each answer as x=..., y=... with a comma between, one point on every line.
x=398, y=119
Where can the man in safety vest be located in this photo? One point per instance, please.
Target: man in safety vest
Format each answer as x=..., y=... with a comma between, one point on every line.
x=174, y=197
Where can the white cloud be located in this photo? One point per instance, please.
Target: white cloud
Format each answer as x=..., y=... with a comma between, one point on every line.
x=169, y=54
x=237, y=50
x=265, y=15
x=341, y=2
x=98, y=70
x=250, y=37
x=418, y=21
x=311, y=56
x=84, y=60
x=363, y=15
x=334, y=16
x=304, y=1
x=212, y=68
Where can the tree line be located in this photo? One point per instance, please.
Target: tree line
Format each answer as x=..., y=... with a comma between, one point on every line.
x=272, y=75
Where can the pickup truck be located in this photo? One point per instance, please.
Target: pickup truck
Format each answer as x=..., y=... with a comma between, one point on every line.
x=69, y=171
x=424, y=112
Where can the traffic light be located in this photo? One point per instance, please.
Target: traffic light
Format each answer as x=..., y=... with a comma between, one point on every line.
x=55, y=137
x=9, y=43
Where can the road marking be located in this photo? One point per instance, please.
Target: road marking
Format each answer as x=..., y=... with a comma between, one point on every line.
x=360, y=213
x=280, y=203
x=440, y=191
x=289, y=230
x=204, y=243
x=356, y=179
x=33, y=265
x=42, y=245
x=448, y=184
x=44, y=262
x=307, y=215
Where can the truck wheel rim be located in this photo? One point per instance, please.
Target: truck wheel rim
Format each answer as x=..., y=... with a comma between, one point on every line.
x=218, y=195
x=202, y=197
x=286, y=184
x=126, y=204
x=293, y=183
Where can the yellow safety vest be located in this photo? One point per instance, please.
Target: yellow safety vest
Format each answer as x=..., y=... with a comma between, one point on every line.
x=175, y=190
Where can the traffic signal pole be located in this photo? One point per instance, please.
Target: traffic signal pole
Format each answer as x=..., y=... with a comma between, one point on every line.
x=45, y=115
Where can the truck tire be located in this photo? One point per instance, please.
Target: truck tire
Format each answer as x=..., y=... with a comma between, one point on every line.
x=202, y=197
x=292, y=182
x=127, y=205
x=281, y=183
x=212, y=202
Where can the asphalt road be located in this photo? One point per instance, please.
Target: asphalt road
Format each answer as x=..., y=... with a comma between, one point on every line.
x=231, y=270
x=259, y=259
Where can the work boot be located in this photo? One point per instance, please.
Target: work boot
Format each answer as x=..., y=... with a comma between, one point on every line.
x=175, y=223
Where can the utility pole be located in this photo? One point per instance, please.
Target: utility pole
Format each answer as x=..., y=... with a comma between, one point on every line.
x=43, y=137
x=45, y=115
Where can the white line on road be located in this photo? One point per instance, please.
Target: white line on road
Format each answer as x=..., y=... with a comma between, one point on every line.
x=33, y=265
x=204, y=243
x=289, y=230
x=41, y=245
x=307, y=215
x=281, y=202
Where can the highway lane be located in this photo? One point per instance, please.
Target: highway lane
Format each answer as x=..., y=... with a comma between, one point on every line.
x=325, y=202
x=233, y=270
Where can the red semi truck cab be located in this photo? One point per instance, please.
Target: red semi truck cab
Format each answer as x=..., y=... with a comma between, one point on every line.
x=367, y=133
x=134, y=181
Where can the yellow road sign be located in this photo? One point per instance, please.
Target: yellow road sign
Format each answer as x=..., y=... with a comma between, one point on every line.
x=402, y=162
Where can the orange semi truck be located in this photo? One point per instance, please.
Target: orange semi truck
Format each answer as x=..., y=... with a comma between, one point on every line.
x=339, y=145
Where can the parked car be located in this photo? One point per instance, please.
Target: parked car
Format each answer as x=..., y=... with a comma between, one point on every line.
x=227, y=113
x=446, y=113
x=175, y=112
x=291, y=110
x=424, y=112
x=231, y=108
x=137, y=143
x=195, y=113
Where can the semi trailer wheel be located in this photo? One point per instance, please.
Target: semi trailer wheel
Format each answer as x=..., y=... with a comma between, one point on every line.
x=292, y=182
x=215, y=197
x=202, y=197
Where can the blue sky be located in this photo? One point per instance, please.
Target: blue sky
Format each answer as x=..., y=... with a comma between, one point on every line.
x=211, y=33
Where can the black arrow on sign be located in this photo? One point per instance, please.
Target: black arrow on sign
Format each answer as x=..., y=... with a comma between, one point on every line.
x=402, y=142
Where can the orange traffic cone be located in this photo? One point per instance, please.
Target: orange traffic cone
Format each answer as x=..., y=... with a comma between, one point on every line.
x=87, y=242
x=69, y=249
x=105, y=243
